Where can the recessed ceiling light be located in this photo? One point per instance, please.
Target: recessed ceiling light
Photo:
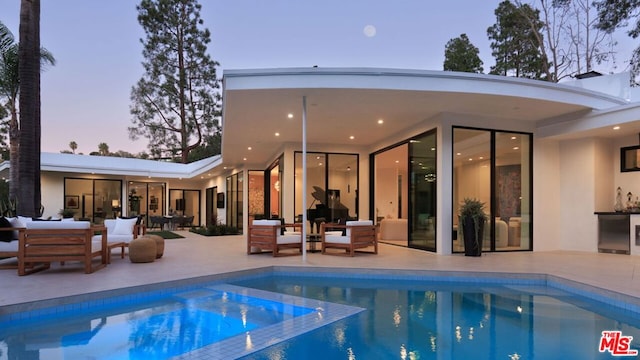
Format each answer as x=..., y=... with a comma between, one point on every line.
x=616, y=128
x=458, y=154
x=380, y=121
x=397, y=161
x=513, y=138
x=516, y=148
x=290, y=116
x=277, y=134
x=481, y=157
x=470, y=159
x=249, y=148
x=244, y=159
x=224, y=167
x=352, y=137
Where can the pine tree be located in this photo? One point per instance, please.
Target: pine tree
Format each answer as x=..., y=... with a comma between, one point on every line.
x=177, y=101
x=461, y=55
x=515, y=42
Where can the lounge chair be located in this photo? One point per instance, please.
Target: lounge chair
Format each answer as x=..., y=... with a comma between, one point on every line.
x=349, y=237
x=272, y=235
x=120, y=232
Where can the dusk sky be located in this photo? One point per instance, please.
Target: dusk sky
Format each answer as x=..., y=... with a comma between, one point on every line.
x=85, y=97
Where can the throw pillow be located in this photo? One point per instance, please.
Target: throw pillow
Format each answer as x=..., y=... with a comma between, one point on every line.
x=124, y=226
x=7, y=235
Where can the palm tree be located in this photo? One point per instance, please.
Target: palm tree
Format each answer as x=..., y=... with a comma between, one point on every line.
x=9, y=90
x=29, y=191
x=73, y=145
x=103, y=149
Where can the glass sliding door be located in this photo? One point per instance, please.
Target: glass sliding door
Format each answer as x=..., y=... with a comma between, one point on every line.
x=391, y=194
x=342, y=187
x=512, y=189
x=93, y=200
x=187, y=203
x=423, y=191
x=332, y=188
x=256, y=195
x=146, y=199
x=495, y=168
x=316, y=185
x=234, y=201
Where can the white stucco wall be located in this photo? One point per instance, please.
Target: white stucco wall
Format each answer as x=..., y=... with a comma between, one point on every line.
x=578, y=224
x=546, y=195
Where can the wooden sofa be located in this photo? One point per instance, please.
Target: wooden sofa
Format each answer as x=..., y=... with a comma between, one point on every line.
x=357, y=235
x=43, y=242
x=271, y=235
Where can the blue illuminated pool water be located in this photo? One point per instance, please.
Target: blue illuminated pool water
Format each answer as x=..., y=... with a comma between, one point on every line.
x=427, y=320
x=322, y=317
x=163, y=327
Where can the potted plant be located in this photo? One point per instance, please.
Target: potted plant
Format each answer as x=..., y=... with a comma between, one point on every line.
x=472, y=220
x=66, y=213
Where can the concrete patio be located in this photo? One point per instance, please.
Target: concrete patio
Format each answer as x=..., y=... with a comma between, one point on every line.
x=197, y=256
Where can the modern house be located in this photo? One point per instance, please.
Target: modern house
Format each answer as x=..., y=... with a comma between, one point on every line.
x=401, y=147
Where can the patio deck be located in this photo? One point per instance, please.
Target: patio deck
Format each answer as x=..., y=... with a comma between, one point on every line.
x=195, y=256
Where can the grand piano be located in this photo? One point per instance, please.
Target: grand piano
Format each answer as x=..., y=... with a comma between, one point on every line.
x=328, y=209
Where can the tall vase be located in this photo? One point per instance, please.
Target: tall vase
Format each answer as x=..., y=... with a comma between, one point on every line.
x=472, y=239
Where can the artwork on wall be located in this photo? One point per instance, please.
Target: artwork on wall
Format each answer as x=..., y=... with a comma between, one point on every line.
x=509, y=190
x=153, y=203
x=72, y=201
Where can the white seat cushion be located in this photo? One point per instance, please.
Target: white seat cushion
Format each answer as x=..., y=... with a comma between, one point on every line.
x=58, y=225
x=96, y=246
x=124, y=226
x=289, y=239
x=9, y=246
x=336, y=239
x=267, y=222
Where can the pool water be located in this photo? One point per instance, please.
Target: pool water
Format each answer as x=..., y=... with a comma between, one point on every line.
x=298, y=316
x=427, y=320
x=160, y=328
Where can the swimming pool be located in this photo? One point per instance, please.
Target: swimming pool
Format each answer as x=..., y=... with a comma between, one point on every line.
x=225, y=320
x=336, y=315
x=460, y=320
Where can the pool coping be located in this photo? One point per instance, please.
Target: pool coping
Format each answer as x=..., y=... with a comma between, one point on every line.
x=132, y=294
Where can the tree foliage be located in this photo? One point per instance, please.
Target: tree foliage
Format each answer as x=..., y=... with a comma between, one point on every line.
x=9, y=90
x=571, y=42
x=614, y=14
x=176, y=103
x=514, y=42
x=461, y=55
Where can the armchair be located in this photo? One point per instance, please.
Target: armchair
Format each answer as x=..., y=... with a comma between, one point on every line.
x=271, y=235
x=357, y=235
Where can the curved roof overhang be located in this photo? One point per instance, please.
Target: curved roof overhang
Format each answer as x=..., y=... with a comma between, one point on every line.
x=342, y=102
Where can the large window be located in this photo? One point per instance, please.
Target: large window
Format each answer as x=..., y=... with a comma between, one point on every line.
x=146, y=199
x=332, y=187
x=256, y=195
x=495, y=168
x=234, y=201
x=404, y=192
x=185, y=203
x=94, y=200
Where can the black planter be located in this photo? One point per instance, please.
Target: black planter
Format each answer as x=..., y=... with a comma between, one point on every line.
x=472, y=240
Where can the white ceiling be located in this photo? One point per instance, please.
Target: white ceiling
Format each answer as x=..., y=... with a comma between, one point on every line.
x=337, y=110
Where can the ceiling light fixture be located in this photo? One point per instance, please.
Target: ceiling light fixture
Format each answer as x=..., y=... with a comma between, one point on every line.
x=380, y=121
x=290, y=116
x=277, y=134
x=352, y=137
x=616, y=128
x=249, y=148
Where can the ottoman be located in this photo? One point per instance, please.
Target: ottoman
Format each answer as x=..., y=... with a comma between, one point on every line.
x=142, y=250
x=159, y=244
